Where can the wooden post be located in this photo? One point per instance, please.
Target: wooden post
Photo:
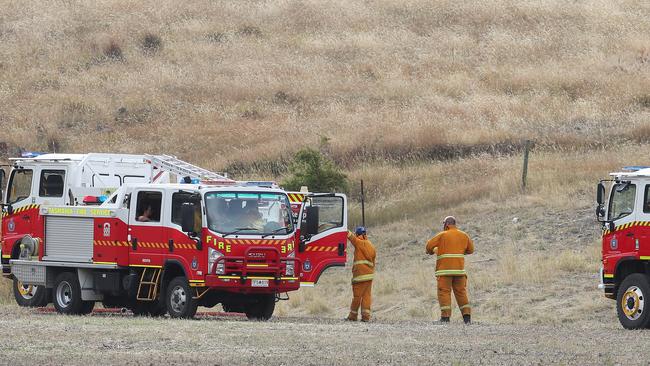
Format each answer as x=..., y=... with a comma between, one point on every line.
x=524, y=173
x=363, y=206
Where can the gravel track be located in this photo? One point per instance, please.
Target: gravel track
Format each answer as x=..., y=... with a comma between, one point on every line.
x=228, y=340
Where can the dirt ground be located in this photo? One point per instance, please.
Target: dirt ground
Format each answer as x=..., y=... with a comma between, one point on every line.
x=32, y=337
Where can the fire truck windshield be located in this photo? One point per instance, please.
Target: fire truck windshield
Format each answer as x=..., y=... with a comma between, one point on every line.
x=249, y=213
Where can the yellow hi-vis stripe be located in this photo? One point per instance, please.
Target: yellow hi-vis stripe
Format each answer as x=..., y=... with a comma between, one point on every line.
x=464, y=306
x=450, y=272
x=363, y=262
x=445, y=308
x=362, y=278
x=451, y=256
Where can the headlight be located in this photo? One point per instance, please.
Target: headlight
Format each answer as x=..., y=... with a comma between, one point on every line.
x=291, y=265
x=213, y=256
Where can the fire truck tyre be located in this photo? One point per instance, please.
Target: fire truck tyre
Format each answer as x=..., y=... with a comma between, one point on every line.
x=148, y=308
x=233, y=307
x=262, y=308
x=67, y=294
x=633, y=311
x=179, y=300
x=87, y=307
x=30, y=295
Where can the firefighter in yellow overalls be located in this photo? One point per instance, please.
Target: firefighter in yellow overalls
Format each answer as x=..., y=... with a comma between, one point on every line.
x=363, y=272
x=451, y=245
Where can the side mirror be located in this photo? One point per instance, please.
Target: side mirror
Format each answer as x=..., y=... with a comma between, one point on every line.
x=2, y=184
x=311, y=224
x=600, y=212
x=187, y=217
x=600, y=193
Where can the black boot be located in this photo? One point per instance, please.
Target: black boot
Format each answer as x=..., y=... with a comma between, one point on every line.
x=467, y=319
x=444, y=319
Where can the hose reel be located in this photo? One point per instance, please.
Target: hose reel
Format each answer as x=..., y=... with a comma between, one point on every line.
x=28, y=247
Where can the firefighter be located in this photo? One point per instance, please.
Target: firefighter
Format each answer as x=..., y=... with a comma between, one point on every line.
x=363, y=269
x=451, y=245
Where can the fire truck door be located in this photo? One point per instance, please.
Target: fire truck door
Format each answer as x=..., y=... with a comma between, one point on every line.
x=623, y=210
x=21, y=219
x=178, y=245
x=328, y=247
x=146, y=231
x=642, y=231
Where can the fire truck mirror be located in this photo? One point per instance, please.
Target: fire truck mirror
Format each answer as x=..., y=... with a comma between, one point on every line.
x=311, y=223
x=600, y=193
x=600, y=212
x=187, y=217
x=2, y=183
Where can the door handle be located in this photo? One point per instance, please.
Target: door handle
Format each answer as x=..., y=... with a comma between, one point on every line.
x=171, y=245
x=629, y=235
x=26, y=217
x=134, y=243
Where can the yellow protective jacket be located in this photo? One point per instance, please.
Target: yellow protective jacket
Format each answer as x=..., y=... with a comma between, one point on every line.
x=450, y=246
x=363, y=267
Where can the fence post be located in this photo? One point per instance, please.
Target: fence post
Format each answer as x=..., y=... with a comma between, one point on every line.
x=363, y=206
x=524, y=173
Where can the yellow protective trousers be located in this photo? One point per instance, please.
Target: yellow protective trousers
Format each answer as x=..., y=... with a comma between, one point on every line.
x=361, y=297
x=459, y=286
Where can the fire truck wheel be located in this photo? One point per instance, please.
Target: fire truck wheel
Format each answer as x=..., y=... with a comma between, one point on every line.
x=67, y=294
x=30, y=295
x=633, y=312
x=87, y=307
x=148, y=308
x=233, y=307
x=261, y=308
x=179, y=300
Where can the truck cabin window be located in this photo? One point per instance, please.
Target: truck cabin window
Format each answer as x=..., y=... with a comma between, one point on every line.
x=330, y=212
x=20, y=186
x=178, y=199
x=249, y=213
x=622, y=201
x=148, y=208
x=51, y=183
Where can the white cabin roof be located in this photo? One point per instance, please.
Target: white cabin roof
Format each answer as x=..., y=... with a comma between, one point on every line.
x=641, y=173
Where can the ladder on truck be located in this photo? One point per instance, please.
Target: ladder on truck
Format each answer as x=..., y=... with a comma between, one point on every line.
x=182, y=168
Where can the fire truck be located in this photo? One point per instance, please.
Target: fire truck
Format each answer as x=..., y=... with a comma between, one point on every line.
x=623, y=208
x=157, y=235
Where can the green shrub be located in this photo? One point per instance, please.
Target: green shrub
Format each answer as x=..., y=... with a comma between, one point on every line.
x=312, y=169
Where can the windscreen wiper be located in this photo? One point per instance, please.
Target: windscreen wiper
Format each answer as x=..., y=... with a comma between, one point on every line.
x=275, y=231
x=238, y=230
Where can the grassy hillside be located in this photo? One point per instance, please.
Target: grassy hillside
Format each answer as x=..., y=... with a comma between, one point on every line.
x=428, y=102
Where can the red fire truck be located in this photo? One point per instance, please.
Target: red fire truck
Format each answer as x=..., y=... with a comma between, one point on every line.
x=121, y=230
x=624, y=210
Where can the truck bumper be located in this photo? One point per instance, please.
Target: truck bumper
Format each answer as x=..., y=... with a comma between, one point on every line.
x=252, y=284
x=607, y=285
x=601, y=285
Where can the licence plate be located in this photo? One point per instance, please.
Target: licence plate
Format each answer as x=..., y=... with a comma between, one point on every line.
x=260, y=283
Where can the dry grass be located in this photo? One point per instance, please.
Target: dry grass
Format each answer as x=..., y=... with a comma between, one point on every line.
x=416, y=80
